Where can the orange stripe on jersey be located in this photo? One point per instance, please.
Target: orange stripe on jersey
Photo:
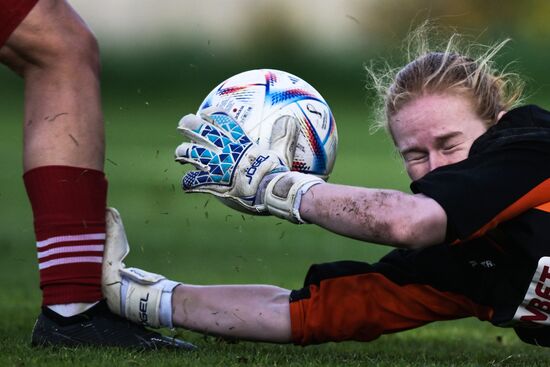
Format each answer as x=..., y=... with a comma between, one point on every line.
x=533, y=199
x=363, y=307
x=544, y=207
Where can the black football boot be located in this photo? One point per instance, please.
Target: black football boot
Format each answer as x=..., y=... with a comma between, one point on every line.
x=98, y=327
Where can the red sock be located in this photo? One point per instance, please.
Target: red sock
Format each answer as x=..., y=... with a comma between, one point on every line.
x=69, y=223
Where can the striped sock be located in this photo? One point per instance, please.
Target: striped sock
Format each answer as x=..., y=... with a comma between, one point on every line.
x=69, y=221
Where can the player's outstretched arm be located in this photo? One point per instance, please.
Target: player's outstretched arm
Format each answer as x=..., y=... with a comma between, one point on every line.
x=235, y=169
x=376, y=215
x=250, y=312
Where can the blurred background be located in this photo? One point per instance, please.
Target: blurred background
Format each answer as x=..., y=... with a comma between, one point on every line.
x=161, y=58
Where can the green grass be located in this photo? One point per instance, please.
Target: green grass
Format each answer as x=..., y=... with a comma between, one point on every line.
x=195, y=239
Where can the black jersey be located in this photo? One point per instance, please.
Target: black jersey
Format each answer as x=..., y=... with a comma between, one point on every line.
x=494, y=265
x=497, y=203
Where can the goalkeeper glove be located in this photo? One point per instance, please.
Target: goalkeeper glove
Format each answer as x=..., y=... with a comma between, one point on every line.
x=237, y=170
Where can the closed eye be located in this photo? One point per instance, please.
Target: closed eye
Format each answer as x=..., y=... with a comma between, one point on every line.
x=448, y=143
x=415, y=157
x=450, y=148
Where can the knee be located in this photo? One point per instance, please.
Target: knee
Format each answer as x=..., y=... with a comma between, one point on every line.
x=52, y=37
x=82, y=50
x=71, y=45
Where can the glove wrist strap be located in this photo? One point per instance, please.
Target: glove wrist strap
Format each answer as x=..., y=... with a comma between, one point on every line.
x=141, y=297
x=284, y=194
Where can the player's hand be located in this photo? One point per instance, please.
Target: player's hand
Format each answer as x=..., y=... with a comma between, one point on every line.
x=229, y=165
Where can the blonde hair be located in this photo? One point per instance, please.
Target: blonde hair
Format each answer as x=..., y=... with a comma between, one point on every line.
x=466, y=70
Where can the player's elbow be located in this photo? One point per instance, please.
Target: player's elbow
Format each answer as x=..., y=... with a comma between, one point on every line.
x=425, y=225
x=413, y=238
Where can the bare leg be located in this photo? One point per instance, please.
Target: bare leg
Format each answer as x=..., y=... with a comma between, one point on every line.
x=251, y=312
x=58, y=57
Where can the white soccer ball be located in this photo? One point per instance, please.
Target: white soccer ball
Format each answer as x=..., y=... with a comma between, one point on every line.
x=257, y=98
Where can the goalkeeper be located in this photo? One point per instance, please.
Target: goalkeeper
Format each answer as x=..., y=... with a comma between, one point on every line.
x=473, y=235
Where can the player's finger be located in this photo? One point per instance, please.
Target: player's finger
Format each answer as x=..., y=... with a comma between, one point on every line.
x=231, y=127
x=197, y=155
x=203, y=132
x=284, y=137
x=193, y=181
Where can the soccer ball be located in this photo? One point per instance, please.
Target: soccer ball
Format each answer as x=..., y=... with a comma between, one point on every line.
x=257, y=98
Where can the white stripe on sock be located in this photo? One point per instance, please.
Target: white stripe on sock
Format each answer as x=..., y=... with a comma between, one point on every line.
x=67, y=249
x=71, y=238
x=70, y=260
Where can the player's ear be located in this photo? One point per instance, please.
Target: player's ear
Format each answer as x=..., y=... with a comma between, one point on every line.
x=500, y=114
